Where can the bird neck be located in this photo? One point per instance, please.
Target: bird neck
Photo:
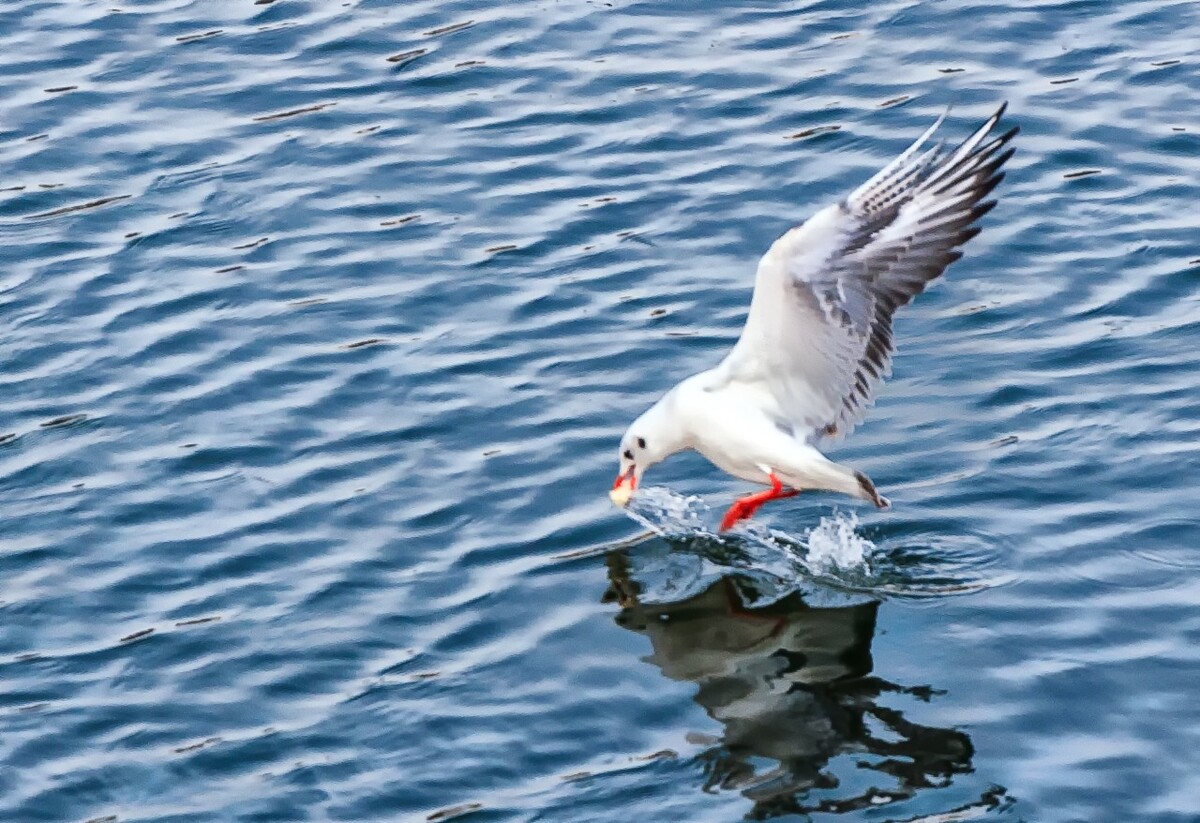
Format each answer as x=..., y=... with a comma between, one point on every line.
x=667, y=426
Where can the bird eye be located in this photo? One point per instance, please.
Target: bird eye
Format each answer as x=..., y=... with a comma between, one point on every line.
x=641, y=442
x=628, y=454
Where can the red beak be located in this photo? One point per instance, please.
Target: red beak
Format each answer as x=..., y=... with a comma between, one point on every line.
x=630, y=476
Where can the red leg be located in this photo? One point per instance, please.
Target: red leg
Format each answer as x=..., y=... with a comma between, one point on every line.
x=745, y=507
x=737, y=610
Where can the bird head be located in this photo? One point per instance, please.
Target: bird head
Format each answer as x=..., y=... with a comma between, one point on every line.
x=650, y=439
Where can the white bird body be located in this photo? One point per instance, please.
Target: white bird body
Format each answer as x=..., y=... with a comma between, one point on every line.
x=818, y=336
x=734, y=424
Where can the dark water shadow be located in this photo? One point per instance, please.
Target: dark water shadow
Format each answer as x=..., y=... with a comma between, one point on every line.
x=793, y=688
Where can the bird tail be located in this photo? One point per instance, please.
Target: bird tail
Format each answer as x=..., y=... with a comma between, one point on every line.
x=819, y=472
x=867, y=491
x=854, y=483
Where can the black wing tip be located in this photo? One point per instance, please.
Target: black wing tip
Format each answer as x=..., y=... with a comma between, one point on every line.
x=1003, y=156
x=982, y=208
x=990, y=122
x=1003, y=140
x=1006, y=136
x=991, y=178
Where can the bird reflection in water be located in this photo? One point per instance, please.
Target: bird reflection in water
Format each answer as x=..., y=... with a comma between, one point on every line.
x=792, y=687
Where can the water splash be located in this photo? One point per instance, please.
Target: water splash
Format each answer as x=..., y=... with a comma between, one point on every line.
x=835, y=544
x=834, y=558
x=669, y=514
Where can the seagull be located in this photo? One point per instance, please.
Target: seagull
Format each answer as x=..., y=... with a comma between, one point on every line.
x=818, y=337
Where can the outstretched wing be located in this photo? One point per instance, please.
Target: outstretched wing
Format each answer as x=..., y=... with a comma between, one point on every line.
x=818, y=336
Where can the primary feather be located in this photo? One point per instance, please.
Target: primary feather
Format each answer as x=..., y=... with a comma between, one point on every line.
x=819, y=331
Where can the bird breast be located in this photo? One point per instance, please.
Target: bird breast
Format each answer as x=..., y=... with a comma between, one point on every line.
x=731, y=429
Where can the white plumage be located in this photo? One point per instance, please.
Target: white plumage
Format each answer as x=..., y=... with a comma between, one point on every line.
x=818, y=337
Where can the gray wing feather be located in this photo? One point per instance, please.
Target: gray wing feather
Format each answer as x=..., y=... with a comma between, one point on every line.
x=818, y=337
x=919, y=214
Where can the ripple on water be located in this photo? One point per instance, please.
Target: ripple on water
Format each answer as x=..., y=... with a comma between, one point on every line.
x=889, y=559
x=321, y=321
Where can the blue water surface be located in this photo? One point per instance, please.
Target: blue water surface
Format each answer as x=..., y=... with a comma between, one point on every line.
x=320, y=323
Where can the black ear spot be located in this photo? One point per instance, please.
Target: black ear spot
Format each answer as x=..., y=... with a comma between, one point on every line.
x=641, y=442
x=627, y=454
